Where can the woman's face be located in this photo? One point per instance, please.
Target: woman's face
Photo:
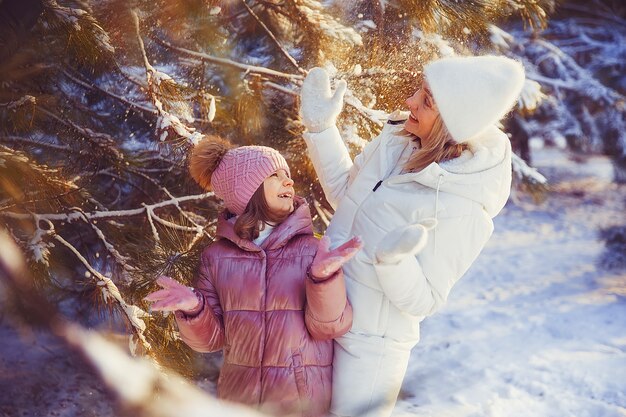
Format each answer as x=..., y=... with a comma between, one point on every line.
x=279, y=192
x=423, y=112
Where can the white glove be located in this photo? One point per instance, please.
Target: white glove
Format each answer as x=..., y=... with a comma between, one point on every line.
x=319, y=108
x=404, y=241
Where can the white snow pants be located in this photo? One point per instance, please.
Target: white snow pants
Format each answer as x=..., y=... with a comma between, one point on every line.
x=367, y=375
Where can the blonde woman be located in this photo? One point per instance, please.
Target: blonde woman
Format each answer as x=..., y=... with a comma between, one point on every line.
x=422, y=195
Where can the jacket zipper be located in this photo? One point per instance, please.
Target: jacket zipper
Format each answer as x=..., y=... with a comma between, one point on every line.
x=377, y=185
x=263, y=342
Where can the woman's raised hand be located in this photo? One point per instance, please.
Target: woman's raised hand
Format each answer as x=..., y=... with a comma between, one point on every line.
x=327, y=262
x=173, y=296
x=319, y=107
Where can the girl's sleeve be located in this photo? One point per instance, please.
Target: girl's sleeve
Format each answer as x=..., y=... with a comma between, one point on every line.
x=332, y=162
x=328, y=313
x=458, y=243
x=203, y=329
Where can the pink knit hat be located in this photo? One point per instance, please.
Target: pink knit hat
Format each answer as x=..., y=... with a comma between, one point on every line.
x=242, y=171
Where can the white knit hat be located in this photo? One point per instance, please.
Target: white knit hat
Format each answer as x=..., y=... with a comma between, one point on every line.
x=473, y=93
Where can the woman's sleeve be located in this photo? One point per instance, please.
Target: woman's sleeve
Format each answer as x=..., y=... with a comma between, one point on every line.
x=328, y=313
x=407, y=287
x=203, y=329
x=332, y=162
x=458, y=243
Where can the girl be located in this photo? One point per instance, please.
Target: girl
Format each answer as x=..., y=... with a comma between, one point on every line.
x=267, y=293
x=442, y=166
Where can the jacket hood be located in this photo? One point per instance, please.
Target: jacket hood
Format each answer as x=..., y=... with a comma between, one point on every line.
x=298, y=223
x=482, y=173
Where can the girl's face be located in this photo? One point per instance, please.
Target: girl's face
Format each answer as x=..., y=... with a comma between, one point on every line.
x=279, y=192
x=423, y=112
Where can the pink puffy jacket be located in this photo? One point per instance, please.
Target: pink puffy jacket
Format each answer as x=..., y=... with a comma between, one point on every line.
x=274, y=324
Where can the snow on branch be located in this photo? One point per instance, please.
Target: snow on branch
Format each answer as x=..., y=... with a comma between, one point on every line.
x=199, y=228
x=229, y=63
x=121, y=99
x=136, y=383
x=313, y=12
x=378, y=117
x=40, y=144
x=98, y=139
x=121, y=260
x=291, y=60
x=115, y=214
x=436, y=41
x=169, y=124
x=161, y=87
x=578, y=62
x=567, y=73
x=39, y=248
x=83, y=32
x=139, y=385
x=22, y=101
x=109, y=290
x=500, y=38
x=531, y=96
x=523, y=171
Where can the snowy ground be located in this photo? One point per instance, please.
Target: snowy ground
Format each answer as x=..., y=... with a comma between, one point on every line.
x=40, y=377
x=534, y=329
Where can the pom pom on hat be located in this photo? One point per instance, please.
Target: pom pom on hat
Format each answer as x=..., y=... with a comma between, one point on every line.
x=473, y=93
x=205, y=158
x=234, y=174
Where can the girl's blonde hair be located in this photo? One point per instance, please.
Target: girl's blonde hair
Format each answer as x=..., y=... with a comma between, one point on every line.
x=439, y=147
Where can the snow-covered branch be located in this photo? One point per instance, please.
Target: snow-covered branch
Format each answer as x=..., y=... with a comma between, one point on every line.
x=119, y=258
x=577, y=77
x=378, y=117
x=98, y=215
x=119, y=98
x=99, y=139
x=82, y=30
x=269, y=33
x=436, y=41
x=168, y=124
x=137, y=383
x=22, y=141
x=108, y=288
x=313, y=12
x=199, y=228
x=229, y=63
x=523, y=171
x=22, y=101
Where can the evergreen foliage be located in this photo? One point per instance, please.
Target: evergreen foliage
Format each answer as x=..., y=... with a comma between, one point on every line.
x=100, y=103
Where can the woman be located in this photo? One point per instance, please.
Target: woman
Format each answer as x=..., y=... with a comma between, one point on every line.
x=267, y=293
x=422, y=196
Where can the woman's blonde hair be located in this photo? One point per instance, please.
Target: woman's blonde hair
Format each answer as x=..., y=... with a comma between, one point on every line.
x=439, y=147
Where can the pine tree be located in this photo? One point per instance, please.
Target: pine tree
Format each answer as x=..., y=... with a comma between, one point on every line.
x=100, y=103
x=578, y=62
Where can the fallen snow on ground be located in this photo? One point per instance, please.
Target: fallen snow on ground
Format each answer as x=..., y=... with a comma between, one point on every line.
x=535, y=328
x=41, y=377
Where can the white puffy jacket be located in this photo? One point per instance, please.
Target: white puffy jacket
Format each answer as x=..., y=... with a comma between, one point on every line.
x=463, y=194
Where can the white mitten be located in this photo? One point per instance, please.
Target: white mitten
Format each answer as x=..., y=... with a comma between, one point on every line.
x=404, y=241
x=319, y=108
